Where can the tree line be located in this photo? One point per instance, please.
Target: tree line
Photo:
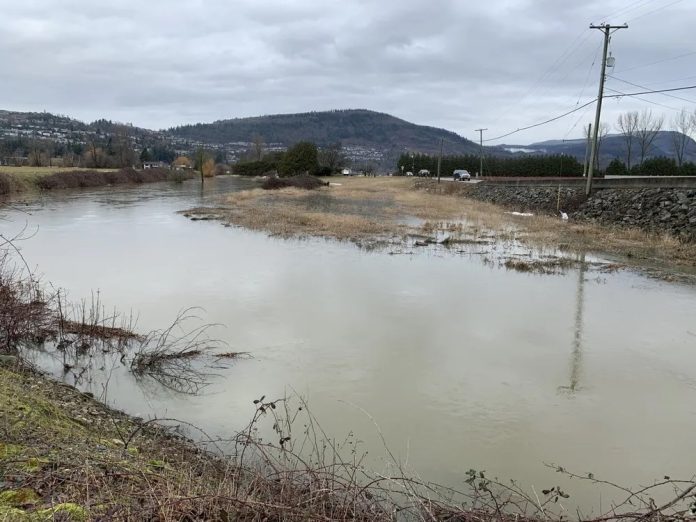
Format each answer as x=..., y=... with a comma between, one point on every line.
x=548, y=165
x=303, y=157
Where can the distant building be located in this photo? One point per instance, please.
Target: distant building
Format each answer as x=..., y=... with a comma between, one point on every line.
x=155, y=165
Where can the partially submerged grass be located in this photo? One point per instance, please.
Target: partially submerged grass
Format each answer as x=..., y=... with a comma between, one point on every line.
x=283, y=214
x=369, y=210
x=540, y=266
x=544, y=230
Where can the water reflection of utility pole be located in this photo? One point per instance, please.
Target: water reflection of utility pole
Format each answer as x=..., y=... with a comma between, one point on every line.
x=576, y=355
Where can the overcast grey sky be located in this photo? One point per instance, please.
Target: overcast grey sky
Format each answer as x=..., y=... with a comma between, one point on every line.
x=456, y=64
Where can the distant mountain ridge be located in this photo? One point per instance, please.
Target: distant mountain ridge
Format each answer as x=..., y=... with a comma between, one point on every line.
x=612, y=146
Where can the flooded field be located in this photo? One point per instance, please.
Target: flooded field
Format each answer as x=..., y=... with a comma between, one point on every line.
x=451, y=358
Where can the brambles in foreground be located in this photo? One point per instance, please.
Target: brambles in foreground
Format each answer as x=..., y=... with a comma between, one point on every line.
x=60, y=448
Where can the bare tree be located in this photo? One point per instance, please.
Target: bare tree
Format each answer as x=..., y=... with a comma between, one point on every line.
x=332, y=156
x=682, y=127
x=36, y=154
x=94, y=152
x=124, y=151
x=257, y=140
x=648, y=127
x=628, y=127
x=201, y=158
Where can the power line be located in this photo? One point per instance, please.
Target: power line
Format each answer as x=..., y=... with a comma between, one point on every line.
x=576, y=123
x=656, y=10
x=644, y=87
x=560, y=60
x=621, y=94
x=658, y=91
x=576, y=109
x=660, y=82
x=627, y=9
x=589, y=71
x=691, y=53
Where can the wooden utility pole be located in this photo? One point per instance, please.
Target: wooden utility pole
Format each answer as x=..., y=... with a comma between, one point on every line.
x=587, y=149
x=439, y=159
x=480, y=131
x=607, y=30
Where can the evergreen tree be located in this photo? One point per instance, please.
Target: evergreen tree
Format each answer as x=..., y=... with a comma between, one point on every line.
x=145, y=155
x=300, y=158
x=616, y=168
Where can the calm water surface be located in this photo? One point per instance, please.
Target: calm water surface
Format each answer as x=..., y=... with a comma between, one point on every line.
x=460, y=363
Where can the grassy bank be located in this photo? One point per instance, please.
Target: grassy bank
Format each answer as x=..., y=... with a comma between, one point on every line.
x=372, y=211
x=24, y=179
x=65, y=456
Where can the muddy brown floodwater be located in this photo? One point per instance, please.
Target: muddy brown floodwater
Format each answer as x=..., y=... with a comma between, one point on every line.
x=455, y=360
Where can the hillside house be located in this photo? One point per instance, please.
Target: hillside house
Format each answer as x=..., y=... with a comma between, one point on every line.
x=155, y=165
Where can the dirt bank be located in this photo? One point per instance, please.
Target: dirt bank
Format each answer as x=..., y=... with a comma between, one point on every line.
x=377, y=211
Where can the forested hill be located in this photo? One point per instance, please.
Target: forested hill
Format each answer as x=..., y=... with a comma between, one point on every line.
x=611, y=146
x=349, y=127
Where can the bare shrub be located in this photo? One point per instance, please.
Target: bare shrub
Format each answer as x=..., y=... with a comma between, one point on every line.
x=303, y=181
x=99, y=178
x=176, y=356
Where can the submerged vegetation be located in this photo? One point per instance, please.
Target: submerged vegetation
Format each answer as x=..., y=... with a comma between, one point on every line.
x=389, y=212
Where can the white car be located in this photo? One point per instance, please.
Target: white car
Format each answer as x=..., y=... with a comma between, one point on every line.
x=409, y=173
x=424, y=173
x=461, y=175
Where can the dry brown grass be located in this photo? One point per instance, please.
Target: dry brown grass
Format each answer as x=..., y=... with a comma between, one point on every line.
x=281, y=213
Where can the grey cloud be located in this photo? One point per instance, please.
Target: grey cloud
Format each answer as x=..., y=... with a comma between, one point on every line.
x=450, y=63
